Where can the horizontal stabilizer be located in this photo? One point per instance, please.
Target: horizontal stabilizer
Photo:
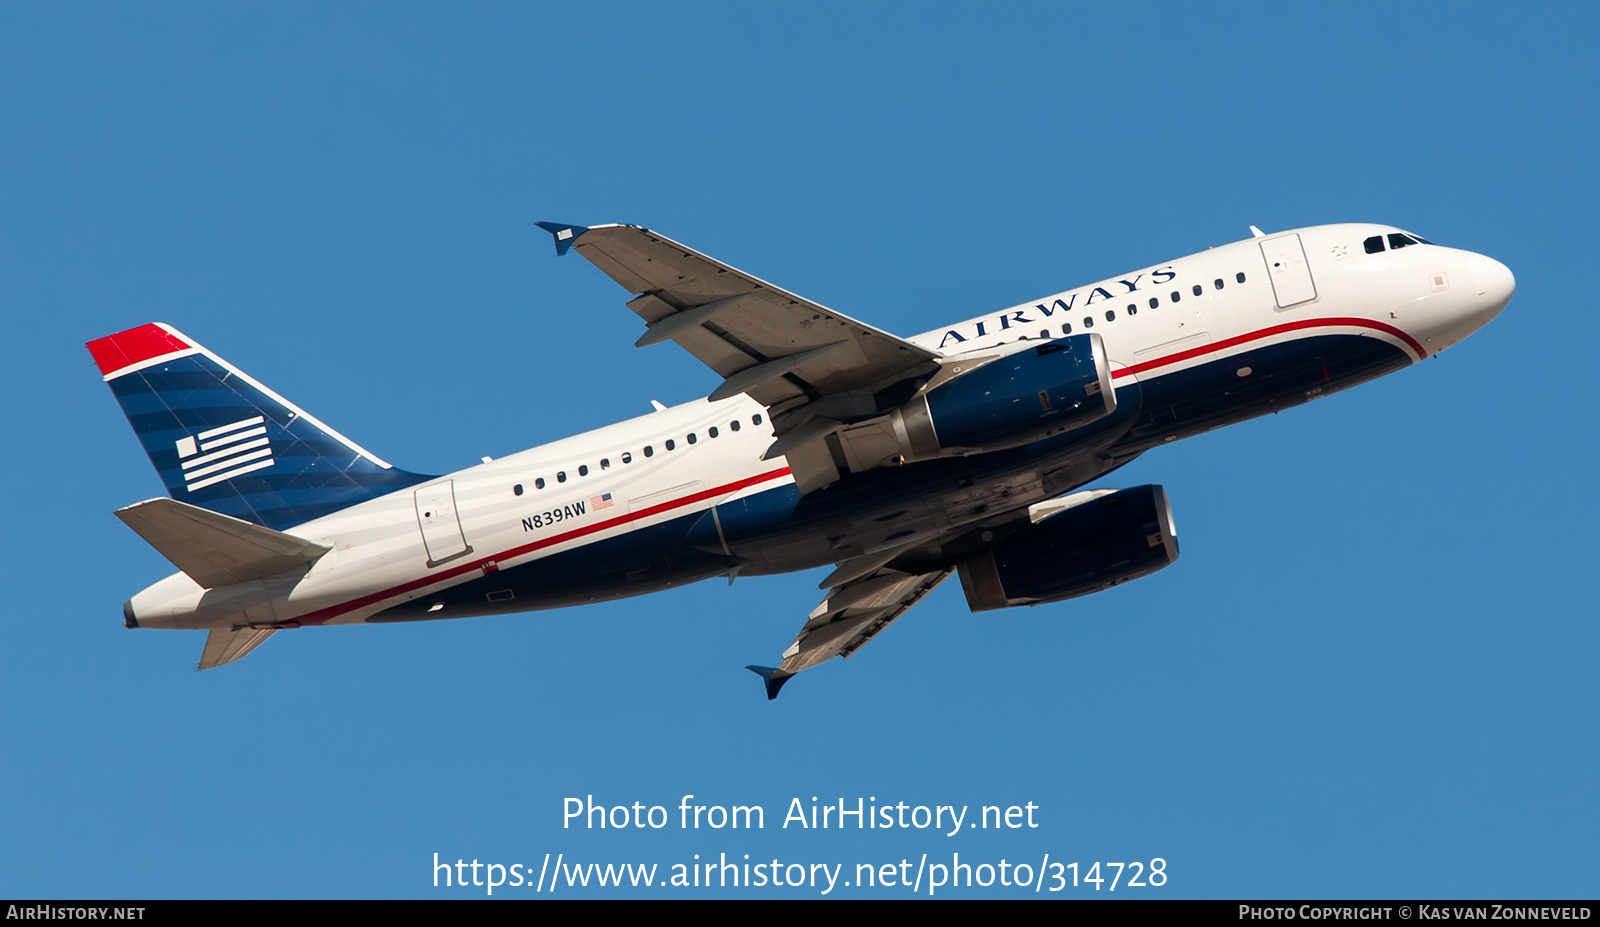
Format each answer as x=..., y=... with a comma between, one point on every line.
x=216, y=549
x=223, y=646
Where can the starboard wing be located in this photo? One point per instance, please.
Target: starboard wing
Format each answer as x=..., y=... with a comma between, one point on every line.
x=851, y=614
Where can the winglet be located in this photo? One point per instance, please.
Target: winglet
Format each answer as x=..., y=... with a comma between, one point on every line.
x=565, y=234
x=773, y=677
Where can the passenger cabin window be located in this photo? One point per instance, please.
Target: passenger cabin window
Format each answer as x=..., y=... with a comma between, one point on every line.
x=1239, y=277
x=1176, y=296
x=1374, y=245
x=712, y=431
x=671, y=445
x=649, y=451
x=755, y=419
x=583, y=469
x=538, y=483
x=627, y=457
x=1154, y=302
x=1133, y=309
x=734, y=424
x=561, y=476
x=605, y=463
x=1088, y=321
x=692, y=438
x=1198, y=289
x=516, y=490
x=1110, y=315
x=1217, y=283
x=1066, y=328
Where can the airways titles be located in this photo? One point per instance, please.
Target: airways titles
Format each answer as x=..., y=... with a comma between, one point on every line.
x=1062, y=304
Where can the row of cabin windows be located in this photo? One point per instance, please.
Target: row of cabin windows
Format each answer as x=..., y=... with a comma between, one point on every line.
x=627, y=456
x=1374, y=245
x=1133, y=308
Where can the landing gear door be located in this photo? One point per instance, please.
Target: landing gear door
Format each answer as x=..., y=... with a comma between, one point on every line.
x=441, y=528
x=1286, y=265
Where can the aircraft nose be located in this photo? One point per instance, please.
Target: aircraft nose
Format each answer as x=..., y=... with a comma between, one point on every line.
x=1493, y=283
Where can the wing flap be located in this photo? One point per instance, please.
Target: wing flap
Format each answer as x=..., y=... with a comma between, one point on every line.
x=216, y=549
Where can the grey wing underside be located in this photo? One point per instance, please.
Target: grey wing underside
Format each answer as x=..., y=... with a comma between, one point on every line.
x=733, y=322
x=869, y=592
x=809, y=365
x=852, y=613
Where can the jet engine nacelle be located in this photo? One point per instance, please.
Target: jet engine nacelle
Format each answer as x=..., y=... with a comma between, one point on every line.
x=1014, y=400
x=1092, y=546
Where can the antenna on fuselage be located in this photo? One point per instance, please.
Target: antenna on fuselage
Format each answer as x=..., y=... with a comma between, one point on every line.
x=1257, y=233
x=657, y=406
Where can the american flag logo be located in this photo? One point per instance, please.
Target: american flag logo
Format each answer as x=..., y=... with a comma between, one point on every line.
x=600, y=502
x=224, y=453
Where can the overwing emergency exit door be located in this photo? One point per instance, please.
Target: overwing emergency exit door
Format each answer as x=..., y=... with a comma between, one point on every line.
x=441, y=527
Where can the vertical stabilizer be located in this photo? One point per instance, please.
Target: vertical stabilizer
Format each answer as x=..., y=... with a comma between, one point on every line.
x=224, y=442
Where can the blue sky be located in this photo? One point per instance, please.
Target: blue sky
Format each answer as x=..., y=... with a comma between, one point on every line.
x=1371, y=673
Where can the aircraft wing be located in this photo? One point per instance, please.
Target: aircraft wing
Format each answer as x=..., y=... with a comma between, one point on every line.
x=851, y=614
x=800, y=359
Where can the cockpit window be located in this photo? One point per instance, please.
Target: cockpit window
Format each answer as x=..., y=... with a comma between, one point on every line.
x=1397, y=240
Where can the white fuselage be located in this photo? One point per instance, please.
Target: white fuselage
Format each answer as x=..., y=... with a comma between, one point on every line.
x=552, y=499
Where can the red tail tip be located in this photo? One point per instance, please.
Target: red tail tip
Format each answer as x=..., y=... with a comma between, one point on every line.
x=124, y=349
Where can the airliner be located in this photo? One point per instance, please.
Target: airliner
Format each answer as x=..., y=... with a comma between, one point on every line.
x=898, y=462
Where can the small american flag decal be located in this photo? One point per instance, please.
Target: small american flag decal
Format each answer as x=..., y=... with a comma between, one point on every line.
x=600, y=502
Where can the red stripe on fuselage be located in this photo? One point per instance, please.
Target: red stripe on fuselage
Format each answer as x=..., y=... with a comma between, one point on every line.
x=321, y=616
x=1268, y=333
x=124, y=349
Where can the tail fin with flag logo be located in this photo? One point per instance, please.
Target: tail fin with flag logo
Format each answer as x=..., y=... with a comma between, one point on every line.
x=224, y=442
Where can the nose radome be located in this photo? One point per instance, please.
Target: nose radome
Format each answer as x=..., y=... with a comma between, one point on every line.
x=1493, y=283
